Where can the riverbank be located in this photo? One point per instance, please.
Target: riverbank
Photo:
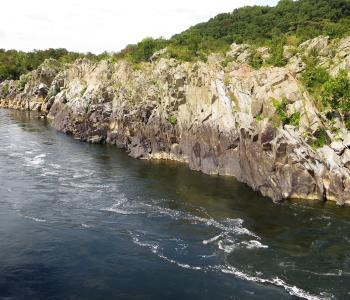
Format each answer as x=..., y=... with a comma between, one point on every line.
x=219, y=119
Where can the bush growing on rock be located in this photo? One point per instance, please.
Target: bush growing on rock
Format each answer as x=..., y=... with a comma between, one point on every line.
x=282, y=115
x=277, y=59
x=5, y=89
x=336, y=92
x=172, y=120
x=281, y=108
x=295, y=119
x=336, y=96
x=320, y=139
x=314, y=77
x=21, y=83
x=256, y=60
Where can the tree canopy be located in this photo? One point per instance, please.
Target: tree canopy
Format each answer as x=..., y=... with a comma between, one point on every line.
x=288, y=22
x=15, y=63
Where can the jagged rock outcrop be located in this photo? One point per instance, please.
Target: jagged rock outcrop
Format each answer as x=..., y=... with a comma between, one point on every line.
x=218, y=118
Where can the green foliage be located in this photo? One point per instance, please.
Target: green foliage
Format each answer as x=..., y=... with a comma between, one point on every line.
x=14, y=63
x=314, y=77
x=281, y=113
x=226, y=61
x=290, y=22
x=5, y=89
x=321, y=139
x=259, y=117
x=294, y=119
x=335, y=95
x=227, y=79
x=142, y=51
x=256, y=61
x=336, y=92
x=281, y=108
x=172, y=119
x=276, y=59
x=21, y=83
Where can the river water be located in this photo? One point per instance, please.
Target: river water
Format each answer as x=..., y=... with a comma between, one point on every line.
x=81, y=221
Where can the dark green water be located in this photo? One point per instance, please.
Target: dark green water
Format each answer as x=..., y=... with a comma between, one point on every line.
x=80, y=221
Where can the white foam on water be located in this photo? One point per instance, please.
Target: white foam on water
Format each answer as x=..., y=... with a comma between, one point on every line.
x=86, y=226
x=182, y=265
x=213, y=239
x=122, y=206
x=337, y=273
x=47, y=172
x=83, y=174
x=154, y=247
x=290, y=289
x=80, y=185
x=55, y=166
x=117, y=210
x=15, y=155
x=227, y=245
x=32, y=218
x=233, y=226
x=36, y=161
x=252, y=244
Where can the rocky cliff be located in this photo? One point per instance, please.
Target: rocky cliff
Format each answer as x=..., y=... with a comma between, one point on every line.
x=220, y=117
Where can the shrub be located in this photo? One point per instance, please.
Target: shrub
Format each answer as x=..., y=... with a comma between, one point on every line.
x=336, y=96
x=227, y=79
x=226, y=61
x=336, y=92
x=321, y=139
x=281, y=107
x=281, y=113
x=276, y=58
x=295, y=119
x=314, y=77
x=21, y=83
x=256, y=61
x=172, y=119
x=259, y=117
x=5, y=89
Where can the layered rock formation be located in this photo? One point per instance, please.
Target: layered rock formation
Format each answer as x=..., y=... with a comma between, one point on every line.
x=219, y=116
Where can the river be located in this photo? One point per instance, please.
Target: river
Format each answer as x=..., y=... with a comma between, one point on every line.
x=82, y=221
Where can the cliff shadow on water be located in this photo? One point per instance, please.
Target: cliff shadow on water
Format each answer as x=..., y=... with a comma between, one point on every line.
x=64, y=193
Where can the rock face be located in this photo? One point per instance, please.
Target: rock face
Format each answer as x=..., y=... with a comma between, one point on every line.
x=218, y=119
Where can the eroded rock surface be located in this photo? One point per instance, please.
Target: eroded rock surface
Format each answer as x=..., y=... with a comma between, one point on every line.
x=218, y=119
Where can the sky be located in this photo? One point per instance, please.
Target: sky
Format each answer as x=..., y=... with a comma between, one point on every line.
x=102, y=25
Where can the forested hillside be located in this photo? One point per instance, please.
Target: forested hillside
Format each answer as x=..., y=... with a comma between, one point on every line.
x=15, y=63
x=290, y=22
